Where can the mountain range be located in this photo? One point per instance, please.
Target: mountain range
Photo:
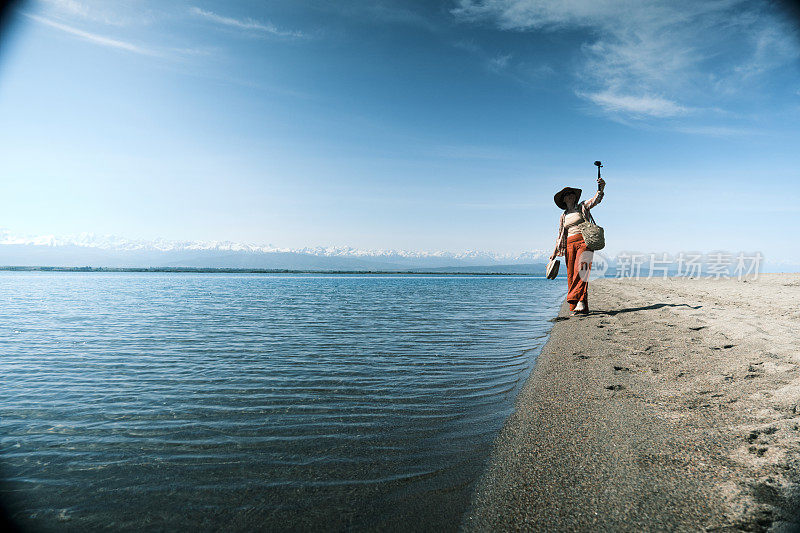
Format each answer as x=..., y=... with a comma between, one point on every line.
x=110, y=251
x=104, y=251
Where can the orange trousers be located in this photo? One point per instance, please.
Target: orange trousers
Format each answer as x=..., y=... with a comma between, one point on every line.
x=577, y=271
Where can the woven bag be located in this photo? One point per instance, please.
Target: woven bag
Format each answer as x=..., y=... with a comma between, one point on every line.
x=593, y=235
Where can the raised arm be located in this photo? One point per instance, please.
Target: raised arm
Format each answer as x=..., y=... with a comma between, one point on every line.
x=598, y=196
x=591, y=202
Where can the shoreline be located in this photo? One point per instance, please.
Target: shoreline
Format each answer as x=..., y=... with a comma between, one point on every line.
x=225, y=270
x=674, y=405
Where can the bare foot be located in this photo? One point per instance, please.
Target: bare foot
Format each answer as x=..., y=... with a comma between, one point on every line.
x=580, y=309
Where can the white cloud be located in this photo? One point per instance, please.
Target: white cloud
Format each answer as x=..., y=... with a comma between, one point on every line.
x=245, y=24
x=770, y=49
x=393, y=14
x=95, y=38
x=499, y=62
x=118, y=13
x=536, y=71
x=70, y=6
x=637, y=105
x=654, y=58
x=527, y=14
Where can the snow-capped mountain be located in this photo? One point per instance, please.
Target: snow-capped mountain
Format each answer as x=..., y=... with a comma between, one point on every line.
x=89, y=249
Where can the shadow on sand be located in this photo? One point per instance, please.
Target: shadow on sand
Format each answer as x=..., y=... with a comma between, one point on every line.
x=643, y=308
x=626, y=310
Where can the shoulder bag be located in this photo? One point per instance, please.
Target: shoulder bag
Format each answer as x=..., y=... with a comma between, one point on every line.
x=593, y=235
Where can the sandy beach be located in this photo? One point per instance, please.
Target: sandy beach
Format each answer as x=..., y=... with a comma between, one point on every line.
x=674, y=405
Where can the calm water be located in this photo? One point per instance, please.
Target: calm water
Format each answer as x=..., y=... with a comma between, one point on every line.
x=243, y=402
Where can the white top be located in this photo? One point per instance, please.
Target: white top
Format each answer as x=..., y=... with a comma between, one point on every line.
x=571, y=221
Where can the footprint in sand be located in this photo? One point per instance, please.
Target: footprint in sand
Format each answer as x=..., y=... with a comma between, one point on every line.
x=759, y=441
x=581, y=355
x=754, y=370
x=758, y=450
x=756, y=434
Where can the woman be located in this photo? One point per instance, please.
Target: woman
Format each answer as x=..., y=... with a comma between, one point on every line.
x=570, y=244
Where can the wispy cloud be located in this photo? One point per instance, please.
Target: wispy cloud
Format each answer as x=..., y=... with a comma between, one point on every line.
x=100, y=11
x=522, y=72
x=247, y=24
x=653, y=58
x=96, y=38
x=395, y=14
x=73, y=7
x=499, y=62
x=647, y=105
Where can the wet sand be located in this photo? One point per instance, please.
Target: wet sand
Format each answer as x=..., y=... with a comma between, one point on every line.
x=674, y=405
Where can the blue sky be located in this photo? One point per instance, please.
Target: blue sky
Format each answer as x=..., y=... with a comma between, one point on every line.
x=407, y=125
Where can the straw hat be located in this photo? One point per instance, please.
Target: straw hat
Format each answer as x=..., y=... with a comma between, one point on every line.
x=559, y=197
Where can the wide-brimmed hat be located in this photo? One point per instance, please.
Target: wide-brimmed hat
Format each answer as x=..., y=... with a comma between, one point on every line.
x=559, y=197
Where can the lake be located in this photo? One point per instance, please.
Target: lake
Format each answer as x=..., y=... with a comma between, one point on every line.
x=239, y=402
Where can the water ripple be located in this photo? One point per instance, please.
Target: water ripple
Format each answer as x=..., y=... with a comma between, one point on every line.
x=241, y=402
